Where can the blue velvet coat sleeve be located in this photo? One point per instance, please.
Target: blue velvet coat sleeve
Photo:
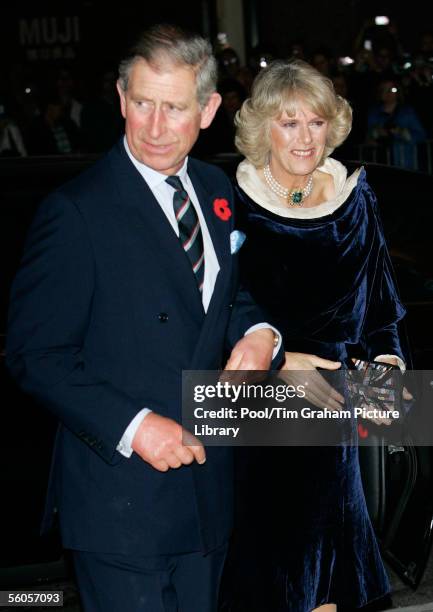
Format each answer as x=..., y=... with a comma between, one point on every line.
x=380, y=330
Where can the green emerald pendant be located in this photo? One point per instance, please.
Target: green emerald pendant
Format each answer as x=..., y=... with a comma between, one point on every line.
x=296, y=197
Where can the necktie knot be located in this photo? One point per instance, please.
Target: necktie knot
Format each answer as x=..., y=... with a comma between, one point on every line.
x=175, y=182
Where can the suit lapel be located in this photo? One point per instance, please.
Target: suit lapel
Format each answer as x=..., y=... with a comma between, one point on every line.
x=146, y=218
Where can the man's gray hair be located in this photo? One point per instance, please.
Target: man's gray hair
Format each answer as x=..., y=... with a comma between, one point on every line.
x=168, y=45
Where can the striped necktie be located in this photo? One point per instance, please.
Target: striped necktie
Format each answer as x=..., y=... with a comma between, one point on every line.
x=190, y=234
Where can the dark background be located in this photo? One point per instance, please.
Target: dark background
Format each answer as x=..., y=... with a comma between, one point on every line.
x=336, y=23
x=89, y=34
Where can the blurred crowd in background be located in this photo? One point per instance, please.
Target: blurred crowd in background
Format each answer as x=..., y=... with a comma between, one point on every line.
x=389, y=87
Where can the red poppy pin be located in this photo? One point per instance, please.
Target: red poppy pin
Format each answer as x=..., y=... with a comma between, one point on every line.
x=221, y=209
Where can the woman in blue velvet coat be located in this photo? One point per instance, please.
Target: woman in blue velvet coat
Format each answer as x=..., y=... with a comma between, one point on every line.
x=315, y=259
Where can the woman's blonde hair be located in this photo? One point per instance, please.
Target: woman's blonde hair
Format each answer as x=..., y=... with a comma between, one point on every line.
x=278, y=88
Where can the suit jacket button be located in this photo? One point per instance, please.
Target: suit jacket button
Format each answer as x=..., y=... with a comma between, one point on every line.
x=163, y=317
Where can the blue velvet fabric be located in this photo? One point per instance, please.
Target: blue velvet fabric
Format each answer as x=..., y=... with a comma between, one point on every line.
x=303, y=535
x=328, y=282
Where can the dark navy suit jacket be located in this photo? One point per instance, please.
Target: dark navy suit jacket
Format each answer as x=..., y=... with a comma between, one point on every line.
x=105, y=314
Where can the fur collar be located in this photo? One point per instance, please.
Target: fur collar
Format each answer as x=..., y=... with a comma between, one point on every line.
x=250, y=181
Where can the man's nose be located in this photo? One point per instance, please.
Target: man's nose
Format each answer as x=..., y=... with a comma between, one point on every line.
x=157, y=123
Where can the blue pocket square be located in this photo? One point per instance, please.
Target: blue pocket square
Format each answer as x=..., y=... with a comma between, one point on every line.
x=237, y=239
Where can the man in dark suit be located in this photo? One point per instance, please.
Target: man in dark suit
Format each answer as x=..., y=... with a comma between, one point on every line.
x=128, y=279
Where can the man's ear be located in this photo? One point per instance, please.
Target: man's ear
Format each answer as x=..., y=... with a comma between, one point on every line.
x=122, y=99
x=208, y=112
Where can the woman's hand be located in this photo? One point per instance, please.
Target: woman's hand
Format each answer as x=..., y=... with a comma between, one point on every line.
x=392, y=360
x=317, y=390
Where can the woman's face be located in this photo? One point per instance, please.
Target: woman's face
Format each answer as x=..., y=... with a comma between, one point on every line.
x=297, y=143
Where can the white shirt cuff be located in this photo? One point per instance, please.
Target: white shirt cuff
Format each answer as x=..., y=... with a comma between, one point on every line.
x=401, y=364
x=267, y=326
x=124, y=446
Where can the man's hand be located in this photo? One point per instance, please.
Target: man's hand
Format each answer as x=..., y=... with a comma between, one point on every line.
x=253, y=351
x=318, y=391
x=165, y=444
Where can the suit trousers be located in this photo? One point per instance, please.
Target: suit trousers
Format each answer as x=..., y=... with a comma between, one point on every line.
x=163, y=583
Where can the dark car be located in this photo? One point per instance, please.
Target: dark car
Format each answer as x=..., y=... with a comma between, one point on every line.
x=398, y=481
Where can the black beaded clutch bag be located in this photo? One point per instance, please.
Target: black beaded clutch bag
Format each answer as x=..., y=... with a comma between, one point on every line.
x=375, y=386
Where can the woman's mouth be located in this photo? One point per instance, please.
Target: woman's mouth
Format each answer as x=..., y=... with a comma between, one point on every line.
x=302, y=153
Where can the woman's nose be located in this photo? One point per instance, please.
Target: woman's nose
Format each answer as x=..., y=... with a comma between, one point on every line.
x=305, y=134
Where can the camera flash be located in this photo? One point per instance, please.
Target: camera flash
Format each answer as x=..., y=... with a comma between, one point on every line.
x=381, y=20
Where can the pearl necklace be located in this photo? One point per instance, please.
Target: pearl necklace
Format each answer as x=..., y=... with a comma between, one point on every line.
x=295, y=196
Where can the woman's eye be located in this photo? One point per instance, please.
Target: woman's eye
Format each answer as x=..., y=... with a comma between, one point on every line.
x=290, y=124
x=319, y=122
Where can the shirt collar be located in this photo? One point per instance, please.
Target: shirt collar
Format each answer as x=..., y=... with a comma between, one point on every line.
x=152, y=177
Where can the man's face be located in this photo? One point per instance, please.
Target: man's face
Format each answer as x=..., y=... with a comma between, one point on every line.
x=162, y=115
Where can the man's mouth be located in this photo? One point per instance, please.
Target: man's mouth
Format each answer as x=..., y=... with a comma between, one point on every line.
x=158, y=148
